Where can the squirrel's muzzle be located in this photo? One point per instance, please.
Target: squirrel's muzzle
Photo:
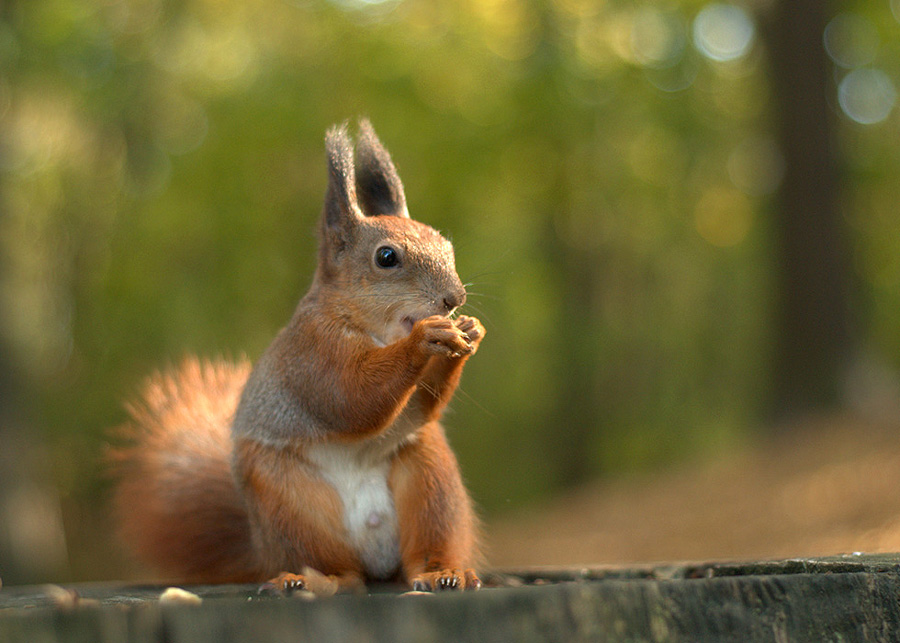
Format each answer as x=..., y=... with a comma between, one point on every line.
x=454, y=300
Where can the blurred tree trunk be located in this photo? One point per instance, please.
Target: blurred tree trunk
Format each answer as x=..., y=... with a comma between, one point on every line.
x=567, y=448
x=578, y=413
x=813, y=330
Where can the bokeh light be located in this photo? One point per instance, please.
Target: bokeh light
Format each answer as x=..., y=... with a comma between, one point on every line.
x=851, y=40
x=723, y=32
x=658, y=38
x=867, y=95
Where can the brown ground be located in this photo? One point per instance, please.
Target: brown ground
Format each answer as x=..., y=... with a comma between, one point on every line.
x=832, y=486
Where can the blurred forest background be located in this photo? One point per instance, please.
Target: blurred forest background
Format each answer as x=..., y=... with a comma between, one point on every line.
x=679, y=217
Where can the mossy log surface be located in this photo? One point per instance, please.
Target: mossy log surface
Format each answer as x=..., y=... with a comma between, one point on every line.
x=847, y=598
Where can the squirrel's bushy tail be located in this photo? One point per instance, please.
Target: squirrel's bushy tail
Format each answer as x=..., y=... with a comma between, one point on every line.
x=175, y=498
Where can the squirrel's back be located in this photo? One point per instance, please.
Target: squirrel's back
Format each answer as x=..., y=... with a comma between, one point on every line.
x=176, y=499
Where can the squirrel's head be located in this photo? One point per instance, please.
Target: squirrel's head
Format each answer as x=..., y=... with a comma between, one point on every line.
x=385, y=270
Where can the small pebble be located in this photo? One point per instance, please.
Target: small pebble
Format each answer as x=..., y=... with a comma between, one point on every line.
x=178, y=596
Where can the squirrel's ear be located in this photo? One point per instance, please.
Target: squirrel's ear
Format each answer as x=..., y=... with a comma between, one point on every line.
x=341, y=210
x=378, y=185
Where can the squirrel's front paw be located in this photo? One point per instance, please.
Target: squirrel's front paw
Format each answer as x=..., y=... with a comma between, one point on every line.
x=441, y=336
x=446, y=579
x=472, y=329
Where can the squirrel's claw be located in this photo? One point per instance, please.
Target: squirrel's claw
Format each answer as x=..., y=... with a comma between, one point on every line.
x=446, y=580
x=284, y=583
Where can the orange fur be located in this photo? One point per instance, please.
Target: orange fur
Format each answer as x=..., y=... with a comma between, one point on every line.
x=176, y=500
x=296, y=516
x=437, y=523
x=327, y=455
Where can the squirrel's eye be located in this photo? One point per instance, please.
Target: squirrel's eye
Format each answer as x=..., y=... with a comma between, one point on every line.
x=386, y=257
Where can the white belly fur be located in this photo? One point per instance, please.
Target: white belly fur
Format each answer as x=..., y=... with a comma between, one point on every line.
x=369, y=514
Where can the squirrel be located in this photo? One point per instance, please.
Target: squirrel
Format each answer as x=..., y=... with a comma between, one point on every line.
x=327, y=457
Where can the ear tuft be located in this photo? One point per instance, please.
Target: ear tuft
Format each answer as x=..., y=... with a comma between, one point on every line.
x=340, y=201
x=378, y=185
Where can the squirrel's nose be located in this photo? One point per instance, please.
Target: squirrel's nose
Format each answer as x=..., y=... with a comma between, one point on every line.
x=454, y=300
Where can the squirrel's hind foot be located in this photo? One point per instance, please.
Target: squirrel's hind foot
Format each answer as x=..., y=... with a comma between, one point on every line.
x=287, y=583
x=446, y=579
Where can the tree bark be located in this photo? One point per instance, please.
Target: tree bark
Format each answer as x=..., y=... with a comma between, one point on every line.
x=814, y=337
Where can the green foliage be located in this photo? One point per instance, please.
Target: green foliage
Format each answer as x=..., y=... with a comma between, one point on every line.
x=606, y=184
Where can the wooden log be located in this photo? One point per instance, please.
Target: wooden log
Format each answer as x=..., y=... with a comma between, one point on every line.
x=845, y=598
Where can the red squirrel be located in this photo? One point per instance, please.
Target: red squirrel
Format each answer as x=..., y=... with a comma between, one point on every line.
x=328, y=454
